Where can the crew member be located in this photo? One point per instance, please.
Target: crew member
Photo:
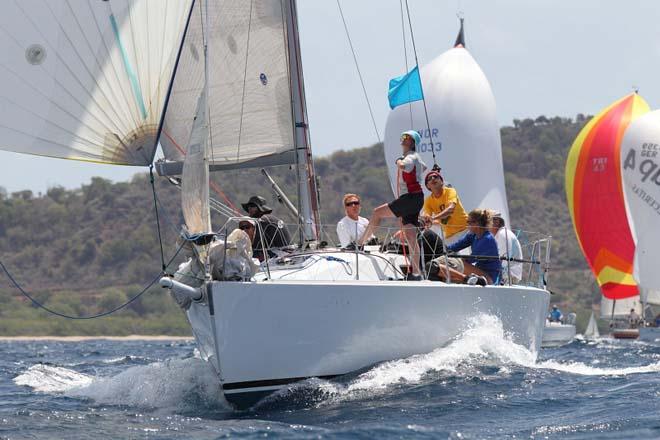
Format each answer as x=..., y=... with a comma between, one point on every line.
x=509, y=247
x=410, y=169
x=275, y=234
x=443, y=209
x=351, y=228
x=484, y=267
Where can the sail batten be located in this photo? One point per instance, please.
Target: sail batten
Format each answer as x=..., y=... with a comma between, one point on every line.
x=88, y=80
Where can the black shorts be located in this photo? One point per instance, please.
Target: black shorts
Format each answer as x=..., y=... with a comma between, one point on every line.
x=407, y=207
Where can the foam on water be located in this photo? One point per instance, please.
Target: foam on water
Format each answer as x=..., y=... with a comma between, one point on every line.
x=176, y=383
x=51, y=379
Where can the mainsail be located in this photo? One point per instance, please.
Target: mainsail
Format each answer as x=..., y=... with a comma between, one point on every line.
x=250, y=104
x=87, y=80
x=595, y=197
x=640, y=167
x=463, y=128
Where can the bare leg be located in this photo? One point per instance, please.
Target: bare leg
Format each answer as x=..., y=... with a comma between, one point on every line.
x=459, y=277
x=383, y=211
x=411, y=237
x=454, y=275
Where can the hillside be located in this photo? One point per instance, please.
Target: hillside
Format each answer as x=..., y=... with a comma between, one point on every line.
x=85, y=250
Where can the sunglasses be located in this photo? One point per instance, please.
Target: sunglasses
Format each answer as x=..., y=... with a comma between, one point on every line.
x=432, y=178
x=245, y=226
x=405, y=136
x=352, y=204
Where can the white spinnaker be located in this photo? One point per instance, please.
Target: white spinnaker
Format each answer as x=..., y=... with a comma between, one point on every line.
x=621, y=308
x=87, y=80
x=250, y=99
x=640, y=169
x=464, y=130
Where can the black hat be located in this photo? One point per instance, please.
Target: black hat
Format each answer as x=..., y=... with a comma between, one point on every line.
x=259, y=202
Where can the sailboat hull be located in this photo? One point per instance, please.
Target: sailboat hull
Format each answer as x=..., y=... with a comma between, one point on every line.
x=262, y=336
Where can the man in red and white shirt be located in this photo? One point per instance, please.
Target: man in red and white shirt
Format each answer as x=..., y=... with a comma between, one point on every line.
x=408, y=204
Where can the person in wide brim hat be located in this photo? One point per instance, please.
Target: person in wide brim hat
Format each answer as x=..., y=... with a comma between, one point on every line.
x=259, y=203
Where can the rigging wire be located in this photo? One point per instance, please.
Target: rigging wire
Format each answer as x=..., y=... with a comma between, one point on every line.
x=99, y=315
x=426, y=112
x=357, y=67
x=405, y=55
x=160, y=238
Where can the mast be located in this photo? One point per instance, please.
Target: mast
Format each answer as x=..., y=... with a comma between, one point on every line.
x=307, y=189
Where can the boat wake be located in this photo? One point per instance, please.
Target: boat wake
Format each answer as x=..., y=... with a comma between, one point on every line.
x=179, y=384
x=483, y=350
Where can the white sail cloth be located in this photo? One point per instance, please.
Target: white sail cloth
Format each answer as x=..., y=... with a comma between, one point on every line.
x=463, y=127
x=195, y=176
x=249, y=91
x=87, y=80
x=621, y=309
x=640, y=169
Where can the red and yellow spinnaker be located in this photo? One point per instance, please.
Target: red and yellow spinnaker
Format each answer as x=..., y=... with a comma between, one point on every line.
x=595, y=197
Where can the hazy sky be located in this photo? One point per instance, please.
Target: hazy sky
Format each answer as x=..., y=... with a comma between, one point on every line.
x=551, y=57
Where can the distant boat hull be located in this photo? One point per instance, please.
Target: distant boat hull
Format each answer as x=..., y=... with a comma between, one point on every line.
x=625, y=333
x=557, y=334
x=263, y=336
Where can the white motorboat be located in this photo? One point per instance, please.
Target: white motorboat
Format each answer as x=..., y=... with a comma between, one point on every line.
x=556, y=334
x=220, y=85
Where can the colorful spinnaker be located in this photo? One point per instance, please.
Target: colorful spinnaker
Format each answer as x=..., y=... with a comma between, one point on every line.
x=595, y=197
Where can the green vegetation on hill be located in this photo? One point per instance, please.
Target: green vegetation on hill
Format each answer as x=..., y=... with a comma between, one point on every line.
x=84, y=251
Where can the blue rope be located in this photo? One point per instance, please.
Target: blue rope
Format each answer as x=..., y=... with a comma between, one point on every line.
x=100, y=315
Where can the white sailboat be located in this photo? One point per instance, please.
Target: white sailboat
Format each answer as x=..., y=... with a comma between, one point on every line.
x=220, y=84
x=591, y=332
x=640, y=169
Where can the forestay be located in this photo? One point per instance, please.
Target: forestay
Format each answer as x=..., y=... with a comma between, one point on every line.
x=640, y=169
x=249, y=90
x=87, y=80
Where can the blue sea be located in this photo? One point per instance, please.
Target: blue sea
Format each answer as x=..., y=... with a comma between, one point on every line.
x=482, y=385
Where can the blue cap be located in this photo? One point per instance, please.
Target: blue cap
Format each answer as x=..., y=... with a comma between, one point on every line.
x=416, y=137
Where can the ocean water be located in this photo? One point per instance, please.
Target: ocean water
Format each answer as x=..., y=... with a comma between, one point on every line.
x=480, y=386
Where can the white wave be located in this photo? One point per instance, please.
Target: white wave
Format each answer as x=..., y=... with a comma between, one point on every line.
x=51, y=379
x=484, y=339
x=175, y=383
x=583, y=369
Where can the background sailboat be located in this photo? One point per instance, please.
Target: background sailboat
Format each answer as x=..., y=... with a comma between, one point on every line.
x=596, y=202
x=640, y=168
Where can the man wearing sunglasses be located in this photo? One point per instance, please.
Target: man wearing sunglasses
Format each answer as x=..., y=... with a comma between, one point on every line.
x=351, y=228
x=410, y=169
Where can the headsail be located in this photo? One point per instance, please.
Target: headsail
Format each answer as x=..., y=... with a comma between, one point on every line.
x=595, y=197
x=463, y=127
x=640, y=167
x=87, y=80
x=250, y=108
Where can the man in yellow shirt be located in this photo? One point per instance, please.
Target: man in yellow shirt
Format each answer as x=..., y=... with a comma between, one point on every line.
x=443, y=209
